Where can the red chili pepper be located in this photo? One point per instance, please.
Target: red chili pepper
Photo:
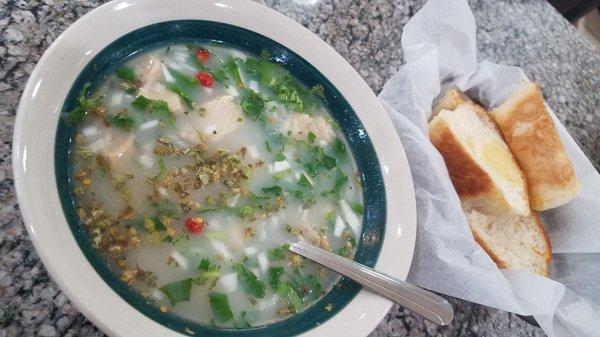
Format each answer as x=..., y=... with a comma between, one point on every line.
x=203, y=55
x=205, y=79
x=195, y=225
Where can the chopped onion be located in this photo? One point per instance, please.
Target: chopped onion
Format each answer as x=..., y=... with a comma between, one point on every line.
x=146, y=161
x=252, y=151
x=263, y=262
x=167, y=74
x=180, y=259
x=149, y=124
x=221, y=248
x=280, y=166
x=350, y=217
x=90, y=131
x=250, y=250
x=116, y=99
x=339, y=226
x=228, y=282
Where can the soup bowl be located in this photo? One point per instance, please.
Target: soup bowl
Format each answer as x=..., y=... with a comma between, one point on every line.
x=119, y=30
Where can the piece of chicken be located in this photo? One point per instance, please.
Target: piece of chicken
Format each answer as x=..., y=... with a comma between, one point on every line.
x=151, y=71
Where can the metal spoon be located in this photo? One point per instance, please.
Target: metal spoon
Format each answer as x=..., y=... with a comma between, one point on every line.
x=425, y=303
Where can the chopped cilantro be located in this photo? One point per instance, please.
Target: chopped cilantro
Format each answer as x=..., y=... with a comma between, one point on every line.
x=121, y=120
x=162, y=170
x=160, y=109
x=314, y=286
x=274, y=274
x=178, y=291
x=220, y=306
x=127, y=74
x=273, y=190
x=85, y=103
x=187, y=100
x=285, y=291
x=279, y=156
x=253, y=105
x=358, y=208
x=231, y=67
x=282, y=174
x=183, y=78
x=311, y=137
x=249, y=281
x=158, y=224
x=268, y=146
x=168, y=208
x=246, y=210
x=338, y=146
x=276, y=254
x=304, y=182
x=206, y=265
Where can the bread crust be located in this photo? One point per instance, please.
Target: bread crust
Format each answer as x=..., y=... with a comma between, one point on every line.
x=472, y=183
x=533, y=139
x=501, y=262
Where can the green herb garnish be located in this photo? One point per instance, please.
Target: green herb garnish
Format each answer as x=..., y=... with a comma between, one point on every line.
x=187, y=100
x=220, y=306
x=178, y=291
x=249, y=281
x=273, y=190
x=86, y=104
x=282, y=174
x=121, y=120
x=253, y=105
x=127, y=74
x=231, y=67
x=285, y=291
x=274, y=274
x=276, y=254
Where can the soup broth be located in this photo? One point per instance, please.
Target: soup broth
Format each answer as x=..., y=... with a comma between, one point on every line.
x=194, y=165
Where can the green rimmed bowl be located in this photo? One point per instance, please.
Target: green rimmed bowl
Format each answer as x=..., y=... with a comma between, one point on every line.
x=118, y=30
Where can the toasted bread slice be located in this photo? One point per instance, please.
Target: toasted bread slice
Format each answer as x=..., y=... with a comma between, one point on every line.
x=532, y=137
x=451, y=100
x=454, y=97
x=481, y=167
x=516, y=242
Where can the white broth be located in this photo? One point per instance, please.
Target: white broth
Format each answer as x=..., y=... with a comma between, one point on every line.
x=195, y=164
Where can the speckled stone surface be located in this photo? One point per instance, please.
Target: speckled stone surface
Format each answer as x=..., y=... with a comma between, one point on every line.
x=528, y=34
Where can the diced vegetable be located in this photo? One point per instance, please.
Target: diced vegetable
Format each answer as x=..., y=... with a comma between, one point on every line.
x=205, y=78
x=178, y=291
x=203, y=55
x=195, y=225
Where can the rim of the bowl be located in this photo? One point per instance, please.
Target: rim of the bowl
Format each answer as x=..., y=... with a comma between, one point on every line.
x=34, y=172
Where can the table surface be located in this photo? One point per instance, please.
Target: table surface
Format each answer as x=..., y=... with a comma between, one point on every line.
x=529, y=34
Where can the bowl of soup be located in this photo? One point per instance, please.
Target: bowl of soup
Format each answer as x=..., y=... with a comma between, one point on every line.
x=163, y=162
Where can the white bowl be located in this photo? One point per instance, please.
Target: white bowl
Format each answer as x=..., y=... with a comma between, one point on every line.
x=35, y=133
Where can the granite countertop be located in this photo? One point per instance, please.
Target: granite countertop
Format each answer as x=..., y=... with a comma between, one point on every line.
x=527, y=34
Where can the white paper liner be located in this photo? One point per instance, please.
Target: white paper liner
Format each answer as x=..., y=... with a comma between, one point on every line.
x=440, y=50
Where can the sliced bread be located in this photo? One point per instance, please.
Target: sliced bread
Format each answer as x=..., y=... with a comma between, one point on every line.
x=516, y=242
x=533, y=139
x=481, y=167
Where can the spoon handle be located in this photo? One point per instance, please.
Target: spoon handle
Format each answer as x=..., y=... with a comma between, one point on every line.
x=423, y=302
